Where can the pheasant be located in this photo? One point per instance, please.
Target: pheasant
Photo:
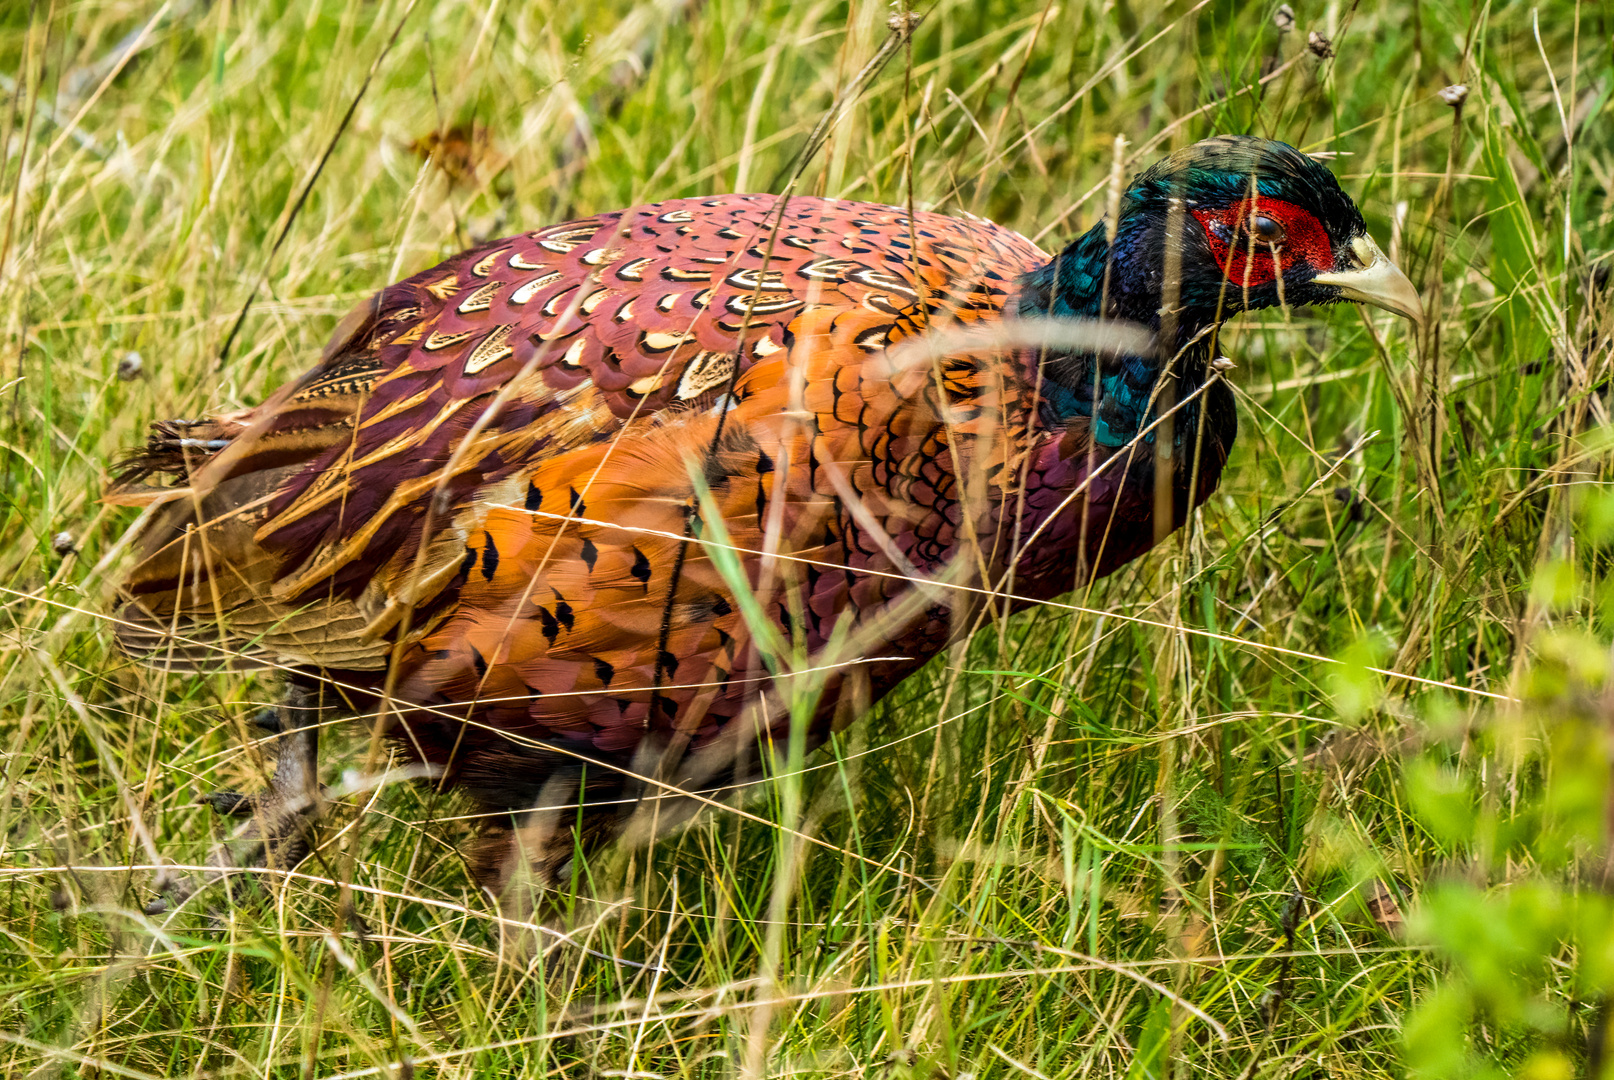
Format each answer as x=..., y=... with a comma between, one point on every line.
x=572, y=511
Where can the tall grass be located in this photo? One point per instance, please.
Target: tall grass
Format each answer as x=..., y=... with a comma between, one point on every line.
x=1160, y=827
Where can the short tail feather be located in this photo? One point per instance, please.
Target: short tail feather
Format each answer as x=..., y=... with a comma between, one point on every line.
x=174, y=450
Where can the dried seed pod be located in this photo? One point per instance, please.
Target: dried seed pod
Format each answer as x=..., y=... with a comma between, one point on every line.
x=904, y=22
x=63, y=544
x=130, y=365
x=1319, y=45
x=1284, y=18
x=1454, y=95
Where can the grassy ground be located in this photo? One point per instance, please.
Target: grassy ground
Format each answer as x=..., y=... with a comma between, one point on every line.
x=1167, y=827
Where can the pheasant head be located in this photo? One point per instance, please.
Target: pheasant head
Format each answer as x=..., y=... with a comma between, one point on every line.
x=1226, y=225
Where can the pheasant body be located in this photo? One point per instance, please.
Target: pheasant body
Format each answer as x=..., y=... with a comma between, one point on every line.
x=517, y=478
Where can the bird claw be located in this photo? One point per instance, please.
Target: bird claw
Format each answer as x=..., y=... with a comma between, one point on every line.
x=279, y=831
x=229, y=803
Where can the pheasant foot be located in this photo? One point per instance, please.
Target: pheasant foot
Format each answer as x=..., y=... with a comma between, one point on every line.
x=280, y=830
x=229, y=803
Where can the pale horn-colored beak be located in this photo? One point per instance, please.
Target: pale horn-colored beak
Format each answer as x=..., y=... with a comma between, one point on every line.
x=1376, y=281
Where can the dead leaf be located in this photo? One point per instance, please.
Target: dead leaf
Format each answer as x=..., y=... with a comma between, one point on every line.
x=465, y=153
x=1382, y=906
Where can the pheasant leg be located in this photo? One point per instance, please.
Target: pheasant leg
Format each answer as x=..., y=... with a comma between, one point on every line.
x=282, y=817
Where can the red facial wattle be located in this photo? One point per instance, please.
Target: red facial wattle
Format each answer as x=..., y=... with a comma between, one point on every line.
x=1250, y=266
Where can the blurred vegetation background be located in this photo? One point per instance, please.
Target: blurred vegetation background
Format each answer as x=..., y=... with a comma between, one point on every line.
x=1319, y=788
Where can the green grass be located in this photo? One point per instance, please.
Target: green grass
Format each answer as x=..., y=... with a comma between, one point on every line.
x=1139, y=833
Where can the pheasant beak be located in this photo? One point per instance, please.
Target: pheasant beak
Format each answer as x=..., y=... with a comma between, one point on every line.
x=1375, y=280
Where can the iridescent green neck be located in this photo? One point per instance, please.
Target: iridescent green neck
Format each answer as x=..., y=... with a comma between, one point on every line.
x=1118, y=394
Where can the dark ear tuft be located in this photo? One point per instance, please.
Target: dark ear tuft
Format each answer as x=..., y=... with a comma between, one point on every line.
x=1220, y=168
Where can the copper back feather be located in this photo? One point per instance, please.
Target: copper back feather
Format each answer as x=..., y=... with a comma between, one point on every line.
x=587, y=327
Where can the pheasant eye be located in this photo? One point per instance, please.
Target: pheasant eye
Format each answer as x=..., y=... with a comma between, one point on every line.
x=1266, y=230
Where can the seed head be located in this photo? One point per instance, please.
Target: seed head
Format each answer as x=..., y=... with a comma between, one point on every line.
x=903, y=22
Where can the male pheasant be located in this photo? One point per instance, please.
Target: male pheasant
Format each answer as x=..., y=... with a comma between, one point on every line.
x=575, y=509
